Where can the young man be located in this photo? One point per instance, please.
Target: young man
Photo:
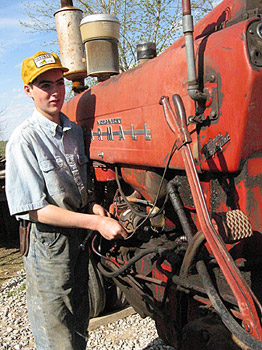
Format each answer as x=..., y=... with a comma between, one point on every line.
x=46, y=186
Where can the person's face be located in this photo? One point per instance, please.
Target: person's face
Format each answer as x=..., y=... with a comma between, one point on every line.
x=48, y=93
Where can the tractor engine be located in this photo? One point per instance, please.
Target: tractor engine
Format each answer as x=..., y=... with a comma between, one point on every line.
x=175, y=153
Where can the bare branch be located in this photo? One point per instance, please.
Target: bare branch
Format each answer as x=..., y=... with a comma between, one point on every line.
x=88, y=8
x=158, y=6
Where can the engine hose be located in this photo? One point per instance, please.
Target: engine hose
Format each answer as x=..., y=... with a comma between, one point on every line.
x=149, y=215
x=179, y=208
x=228, y=320
x=133, y=260
x=192, y=251
x=131, y=207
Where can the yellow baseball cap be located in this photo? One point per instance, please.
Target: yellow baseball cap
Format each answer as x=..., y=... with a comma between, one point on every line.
x=41, y=62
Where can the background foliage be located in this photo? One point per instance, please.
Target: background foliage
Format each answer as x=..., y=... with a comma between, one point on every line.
x=2, y=149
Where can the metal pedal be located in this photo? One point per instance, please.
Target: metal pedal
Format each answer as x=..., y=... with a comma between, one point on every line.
x=233, y=225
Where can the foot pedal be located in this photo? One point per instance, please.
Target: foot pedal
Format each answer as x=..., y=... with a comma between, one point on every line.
x=233, y=225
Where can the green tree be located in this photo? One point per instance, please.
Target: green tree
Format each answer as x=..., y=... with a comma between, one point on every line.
x=159, y=21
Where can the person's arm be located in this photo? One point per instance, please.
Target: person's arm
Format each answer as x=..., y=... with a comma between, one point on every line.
x=53, y=215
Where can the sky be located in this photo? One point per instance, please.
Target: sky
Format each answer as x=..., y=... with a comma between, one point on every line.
x=15, y=45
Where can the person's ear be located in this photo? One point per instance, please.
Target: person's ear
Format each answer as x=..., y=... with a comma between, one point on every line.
x=28, y=90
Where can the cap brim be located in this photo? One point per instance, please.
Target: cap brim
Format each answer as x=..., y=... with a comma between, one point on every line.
x=45, y=69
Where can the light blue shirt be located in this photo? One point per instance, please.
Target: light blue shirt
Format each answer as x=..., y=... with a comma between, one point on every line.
x=46, y=164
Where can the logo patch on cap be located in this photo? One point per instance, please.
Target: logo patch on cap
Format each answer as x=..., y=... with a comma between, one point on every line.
x=43, y=60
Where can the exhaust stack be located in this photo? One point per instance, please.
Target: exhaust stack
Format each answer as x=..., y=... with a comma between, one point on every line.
x=67, y=21
x=145, y=51
x=188, y=29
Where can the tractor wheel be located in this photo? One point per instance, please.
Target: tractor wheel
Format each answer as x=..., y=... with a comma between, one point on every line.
x=96, y=290
x=166, y=324
x=115, y=298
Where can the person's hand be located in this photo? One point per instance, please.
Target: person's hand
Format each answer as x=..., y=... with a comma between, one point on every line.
x=110, y=229
x=99, y=210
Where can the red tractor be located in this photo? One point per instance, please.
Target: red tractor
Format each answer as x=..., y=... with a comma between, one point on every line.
x=175, y=145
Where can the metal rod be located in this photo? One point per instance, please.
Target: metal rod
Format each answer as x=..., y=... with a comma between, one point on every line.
x=66, y=3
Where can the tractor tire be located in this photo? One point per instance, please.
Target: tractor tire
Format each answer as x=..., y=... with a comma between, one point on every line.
x=115, y=298
x=96, y=290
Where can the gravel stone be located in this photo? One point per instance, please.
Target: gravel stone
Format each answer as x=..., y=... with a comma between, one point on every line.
x=130, y=333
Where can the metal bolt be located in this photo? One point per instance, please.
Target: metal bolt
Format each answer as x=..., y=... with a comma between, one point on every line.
x=213, y=114
x=247, y=326
x=212, y=78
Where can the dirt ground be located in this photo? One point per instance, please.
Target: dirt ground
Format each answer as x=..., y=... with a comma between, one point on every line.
x=10, y=261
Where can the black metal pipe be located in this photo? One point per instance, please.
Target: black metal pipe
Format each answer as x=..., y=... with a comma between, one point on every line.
x=130, y=262
x=179, y=208
x=191, y=253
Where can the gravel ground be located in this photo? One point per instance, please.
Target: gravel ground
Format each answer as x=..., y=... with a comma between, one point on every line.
x=130, y=333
